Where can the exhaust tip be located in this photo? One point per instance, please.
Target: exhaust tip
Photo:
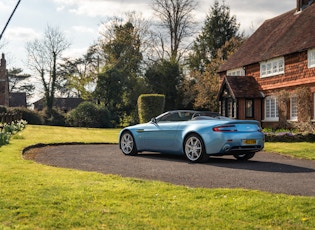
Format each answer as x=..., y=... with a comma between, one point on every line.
x=226, y=148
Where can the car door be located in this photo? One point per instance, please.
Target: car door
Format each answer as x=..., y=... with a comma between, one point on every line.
x=160, y=137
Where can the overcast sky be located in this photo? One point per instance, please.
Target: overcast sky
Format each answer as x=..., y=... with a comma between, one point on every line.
x=79, y=20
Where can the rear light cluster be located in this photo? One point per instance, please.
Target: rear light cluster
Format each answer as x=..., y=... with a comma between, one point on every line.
x=225, y=128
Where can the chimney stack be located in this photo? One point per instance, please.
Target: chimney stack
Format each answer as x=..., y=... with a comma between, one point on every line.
x=4, y=83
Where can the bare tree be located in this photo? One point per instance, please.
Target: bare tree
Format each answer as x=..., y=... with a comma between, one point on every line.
x=177, y=18
x=43, y=56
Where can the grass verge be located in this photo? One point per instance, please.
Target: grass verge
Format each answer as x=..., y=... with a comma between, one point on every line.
x=302, y=150
x=35, y=196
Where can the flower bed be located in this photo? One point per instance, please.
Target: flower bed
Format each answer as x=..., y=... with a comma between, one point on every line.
x=7, y=130
x=289, y=137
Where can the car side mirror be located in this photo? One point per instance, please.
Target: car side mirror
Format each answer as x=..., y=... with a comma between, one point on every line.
x=153, y=120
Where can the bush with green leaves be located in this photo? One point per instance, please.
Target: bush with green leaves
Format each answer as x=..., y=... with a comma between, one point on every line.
x=88, y=114
x=55, y=118
x=31, y=116
x=3, y=109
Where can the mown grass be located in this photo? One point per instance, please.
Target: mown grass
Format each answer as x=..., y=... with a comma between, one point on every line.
x=302, y=150
x=35, y=196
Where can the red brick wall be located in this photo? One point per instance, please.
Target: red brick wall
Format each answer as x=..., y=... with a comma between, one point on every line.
x=296, y=74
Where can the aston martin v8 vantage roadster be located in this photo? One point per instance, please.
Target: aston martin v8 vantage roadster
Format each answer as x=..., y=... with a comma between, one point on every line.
x=195, y=134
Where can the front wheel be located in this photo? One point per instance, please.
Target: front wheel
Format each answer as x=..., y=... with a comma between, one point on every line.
x=127, y=144
x=194, y=149
x=244, y=156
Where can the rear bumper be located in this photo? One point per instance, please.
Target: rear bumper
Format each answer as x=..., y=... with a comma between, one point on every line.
x=228, y=144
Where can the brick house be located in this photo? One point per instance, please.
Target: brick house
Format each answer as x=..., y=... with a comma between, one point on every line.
x=271, y=78
x=9, y=99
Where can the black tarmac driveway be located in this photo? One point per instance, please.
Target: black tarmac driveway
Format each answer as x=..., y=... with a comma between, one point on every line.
x=266, y=171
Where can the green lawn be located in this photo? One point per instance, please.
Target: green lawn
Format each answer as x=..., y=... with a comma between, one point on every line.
x=303, y=150
x=35, y=196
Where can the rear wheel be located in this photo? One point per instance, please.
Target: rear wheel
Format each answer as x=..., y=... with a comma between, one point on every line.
x=194, y=149
x=244, y=156
x=127, y=144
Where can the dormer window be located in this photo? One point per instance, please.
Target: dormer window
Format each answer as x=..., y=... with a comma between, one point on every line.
x=272, y=67
x=236, y=72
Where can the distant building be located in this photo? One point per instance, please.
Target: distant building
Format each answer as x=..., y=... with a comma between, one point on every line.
x=6, y=98
x=17, y=99
x=63, y=104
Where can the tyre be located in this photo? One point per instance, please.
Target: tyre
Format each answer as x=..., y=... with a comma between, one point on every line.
x=127, y=144
x=194, y=149
x=244, y=156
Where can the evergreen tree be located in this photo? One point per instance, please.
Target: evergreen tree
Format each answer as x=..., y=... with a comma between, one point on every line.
x=79, y=75
x=19, y=82
x=165, y=77
x=119, y=84
x=219, y=28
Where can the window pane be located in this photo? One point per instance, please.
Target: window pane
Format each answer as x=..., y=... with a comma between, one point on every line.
x=271, y=108
x=311, y=58
x=249, y=108
x=293, y=108
x=272, y=67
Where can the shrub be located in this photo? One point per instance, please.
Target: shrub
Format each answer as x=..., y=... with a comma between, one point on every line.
x=31, y=116
x=3, y=109
x=56, y=118
x=87, y=114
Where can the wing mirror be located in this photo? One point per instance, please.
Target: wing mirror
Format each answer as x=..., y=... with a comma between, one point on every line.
x=153, y=120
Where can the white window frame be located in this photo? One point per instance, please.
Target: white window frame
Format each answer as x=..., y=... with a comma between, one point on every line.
x=293, y=108
x=272, y=67
x=311, y=58
x=236, y=72
x=271, y=109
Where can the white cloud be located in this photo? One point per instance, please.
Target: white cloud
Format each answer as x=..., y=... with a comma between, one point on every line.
x=83, y=29
x=75, y=52
x=103, y=8
x=21, y=34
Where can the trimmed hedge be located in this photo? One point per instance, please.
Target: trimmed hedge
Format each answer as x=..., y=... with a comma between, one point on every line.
x=150, y=105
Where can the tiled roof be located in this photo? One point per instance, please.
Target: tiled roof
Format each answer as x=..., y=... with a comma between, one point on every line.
x=62, y=103
x=241, y=87
x=288, y=33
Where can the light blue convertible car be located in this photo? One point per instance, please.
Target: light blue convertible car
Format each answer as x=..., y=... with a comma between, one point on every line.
x=195, y=134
